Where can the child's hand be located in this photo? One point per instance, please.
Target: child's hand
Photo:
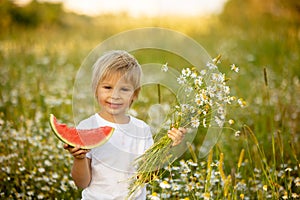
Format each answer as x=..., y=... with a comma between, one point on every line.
x=76, y=152
x=177, y=135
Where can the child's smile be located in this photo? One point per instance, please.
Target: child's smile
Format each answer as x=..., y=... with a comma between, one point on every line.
x=113, y=105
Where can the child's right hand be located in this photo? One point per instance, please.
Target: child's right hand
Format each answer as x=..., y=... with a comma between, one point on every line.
x=76, y=152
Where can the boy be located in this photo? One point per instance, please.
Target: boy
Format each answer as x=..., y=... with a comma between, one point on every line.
x=104, y=172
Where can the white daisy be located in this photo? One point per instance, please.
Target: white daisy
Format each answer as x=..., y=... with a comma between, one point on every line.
x=234, y=68
x=165, y=68
x=195, y=122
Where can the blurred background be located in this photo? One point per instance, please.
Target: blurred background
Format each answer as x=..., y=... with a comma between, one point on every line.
x=43, y=43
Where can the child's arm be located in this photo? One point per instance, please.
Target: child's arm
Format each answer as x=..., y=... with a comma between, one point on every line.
x=81, y=170
x=177, y=135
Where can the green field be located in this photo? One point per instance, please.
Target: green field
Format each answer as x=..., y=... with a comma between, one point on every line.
x=38, y=65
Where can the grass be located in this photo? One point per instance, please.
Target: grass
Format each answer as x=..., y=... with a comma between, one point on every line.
x=38, y=67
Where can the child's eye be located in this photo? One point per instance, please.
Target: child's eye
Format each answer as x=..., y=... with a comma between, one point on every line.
x=125, y=89
x=107, y=87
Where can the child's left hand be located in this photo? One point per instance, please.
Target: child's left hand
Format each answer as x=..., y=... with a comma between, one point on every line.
x=177, y=135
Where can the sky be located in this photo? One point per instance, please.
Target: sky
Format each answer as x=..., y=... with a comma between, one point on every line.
x=143, y=7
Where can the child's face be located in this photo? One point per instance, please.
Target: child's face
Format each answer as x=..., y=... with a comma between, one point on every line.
x=114, y=96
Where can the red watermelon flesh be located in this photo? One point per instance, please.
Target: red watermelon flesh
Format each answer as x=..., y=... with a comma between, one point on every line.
x=85, y=138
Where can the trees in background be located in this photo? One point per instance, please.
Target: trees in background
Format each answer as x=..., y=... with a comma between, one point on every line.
x=33, y=14
x=242, y=11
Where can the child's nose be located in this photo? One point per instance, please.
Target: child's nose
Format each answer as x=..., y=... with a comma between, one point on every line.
x=115, y=95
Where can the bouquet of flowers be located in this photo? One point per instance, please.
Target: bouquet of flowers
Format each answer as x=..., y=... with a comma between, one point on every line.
x=203, y=104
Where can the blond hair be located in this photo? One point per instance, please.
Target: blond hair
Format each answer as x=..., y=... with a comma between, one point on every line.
x=117, y=62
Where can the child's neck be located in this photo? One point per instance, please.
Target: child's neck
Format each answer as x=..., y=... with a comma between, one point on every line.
x=124, y=119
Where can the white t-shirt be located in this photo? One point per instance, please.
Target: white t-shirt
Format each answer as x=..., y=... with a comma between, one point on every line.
x=112, y=163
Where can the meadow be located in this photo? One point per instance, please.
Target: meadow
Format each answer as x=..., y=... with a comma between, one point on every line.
x=38, y=67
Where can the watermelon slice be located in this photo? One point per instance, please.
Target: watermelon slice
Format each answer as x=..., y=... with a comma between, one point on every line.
x=85, y=138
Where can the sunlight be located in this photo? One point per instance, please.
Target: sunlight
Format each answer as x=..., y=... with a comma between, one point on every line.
x=145, y=8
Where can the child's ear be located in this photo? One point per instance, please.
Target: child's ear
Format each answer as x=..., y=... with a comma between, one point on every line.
x=136, y=94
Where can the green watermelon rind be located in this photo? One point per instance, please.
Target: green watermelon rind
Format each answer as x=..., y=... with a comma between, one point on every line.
x=52, y=125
